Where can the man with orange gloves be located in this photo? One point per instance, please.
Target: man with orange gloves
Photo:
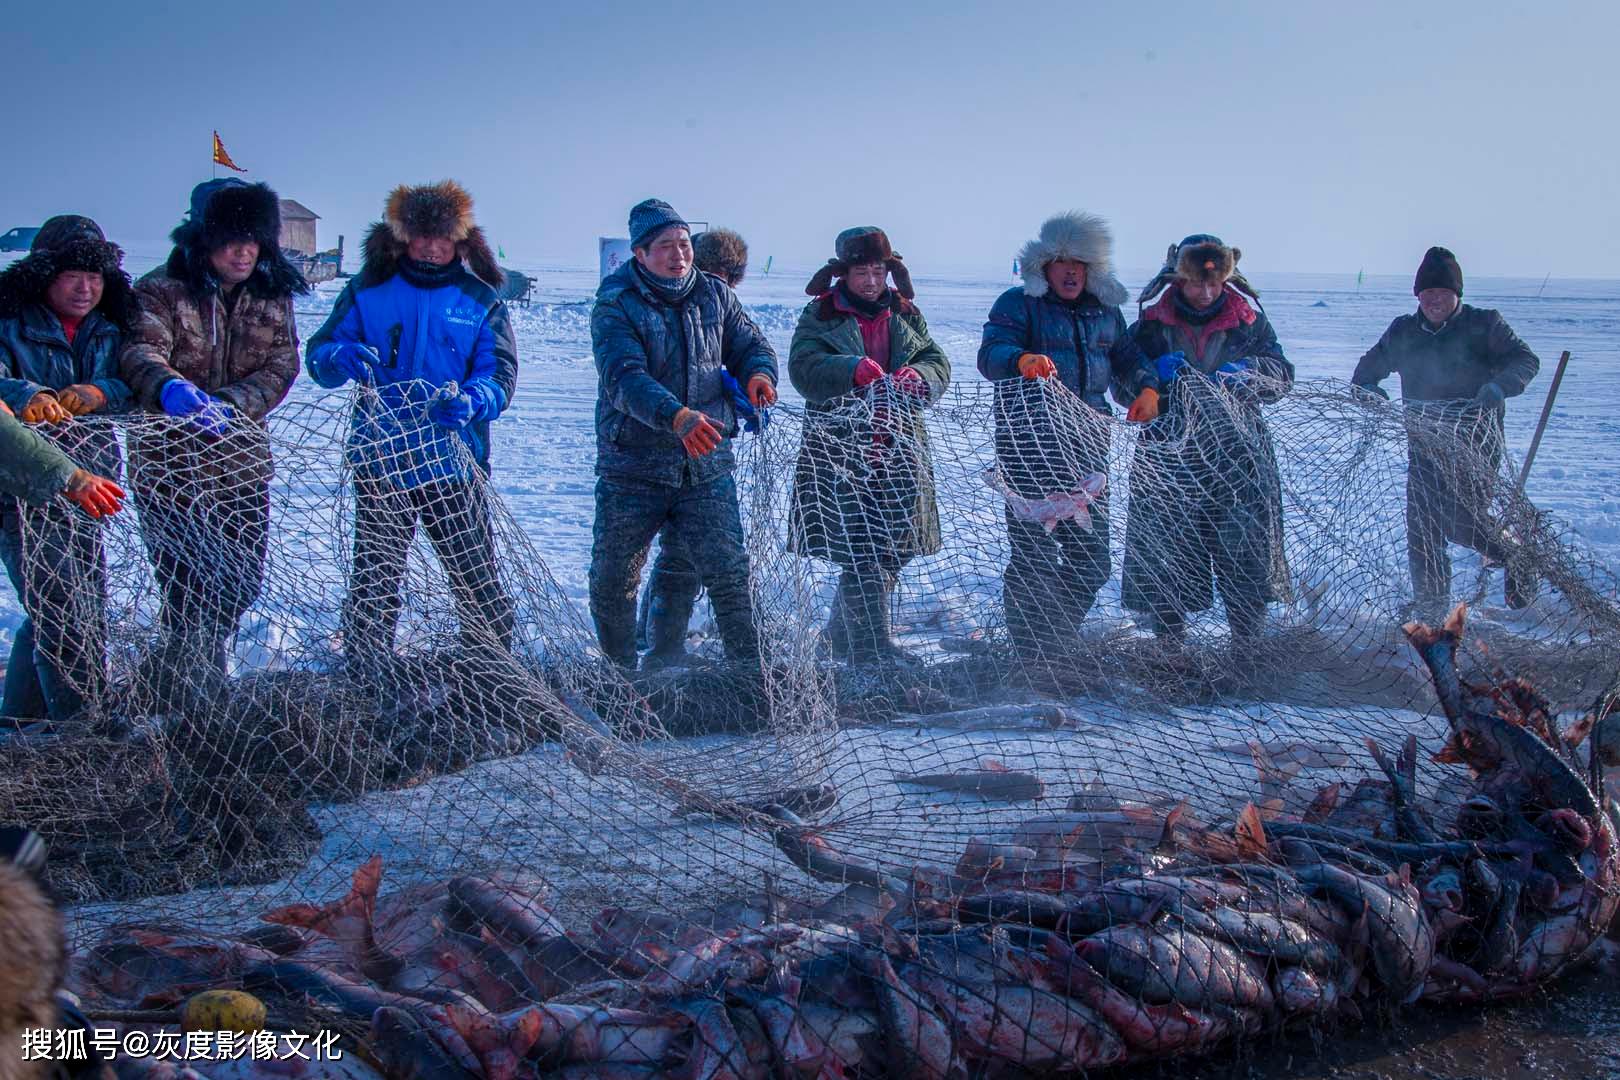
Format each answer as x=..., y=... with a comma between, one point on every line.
x=664, y=334
x=1063, y=326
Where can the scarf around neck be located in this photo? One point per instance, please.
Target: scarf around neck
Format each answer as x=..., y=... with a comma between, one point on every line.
x=669, y=290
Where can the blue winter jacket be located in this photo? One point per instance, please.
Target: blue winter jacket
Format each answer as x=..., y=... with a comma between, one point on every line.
x=429, y=327
x=653, y=358
x=1020, y=323
x=35, y=355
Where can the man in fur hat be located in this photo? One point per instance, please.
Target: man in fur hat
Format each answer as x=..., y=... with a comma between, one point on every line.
x=863, y=488
x=1063, y=326
x=665, y=614
x=63, y=312
x=1459, y=364
x=215, y=348
x=1206, y=496
x=421, y=326
x=662, y=332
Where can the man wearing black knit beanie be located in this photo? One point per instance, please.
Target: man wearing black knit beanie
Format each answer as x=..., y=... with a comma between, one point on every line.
x=1458, y=366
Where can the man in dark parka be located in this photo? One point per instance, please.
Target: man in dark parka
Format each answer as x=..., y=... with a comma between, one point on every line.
x=662, y=332
x=1063, y=324
x=863, y=489
x=1458, y=366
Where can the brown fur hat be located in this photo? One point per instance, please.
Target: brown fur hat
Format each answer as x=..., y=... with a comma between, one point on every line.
x=862, y=244
x=442, y=209
x=1206, y=258
x=721, y=252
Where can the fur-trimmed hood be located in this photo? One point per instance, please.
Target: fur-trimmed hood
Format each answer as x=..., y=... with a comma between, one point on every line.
x=442, y=209
x=81, y=247
x=1079, y=236
x=223, y=211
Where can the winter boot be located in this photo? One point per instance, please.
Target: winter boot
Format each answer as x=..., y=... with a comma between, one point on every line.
x=866, y=607
x=667, y=624
x=835, y=636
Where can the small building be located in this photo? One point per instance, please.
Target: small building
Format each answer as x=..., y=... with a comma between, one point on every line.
x=298, y=227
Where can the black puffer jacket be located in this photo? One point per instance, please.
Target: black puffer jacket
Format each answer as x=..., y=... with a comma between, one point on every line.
x=1451, y=361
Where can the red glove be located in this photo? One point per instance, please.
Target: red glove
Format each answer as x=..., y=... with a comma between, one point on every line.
x=95, y=495
x=911, y=381
x=1036, y=366
x=697, y=433
x=81, y=399
x=761, y=392
x=1145, y=408
x=867, y=372
x=43, y=408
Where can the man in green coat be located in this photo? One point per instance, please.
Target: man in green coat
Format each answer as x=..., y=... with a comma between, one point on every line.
x=863, y=490
x=33, y=470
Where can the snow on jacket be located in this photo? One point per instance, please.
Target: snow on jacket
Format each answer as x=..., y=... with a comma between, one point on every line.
x=1085, y=339
x=1451, y=361
x=429, y=326
x=35, y=356
x=653, y=358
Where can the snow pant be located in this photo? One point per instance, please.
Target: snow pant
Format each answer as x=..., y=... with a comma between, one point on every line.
x=208, y=545
x=665, y=612
x=701, y=517
x=455, y=515
x=1446, y=501
x=1052, y=580
x=1198, y=526
x=58, y=658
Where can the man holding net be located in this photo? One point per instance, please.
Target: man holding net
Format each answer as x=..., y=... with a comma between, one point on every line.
x=215, y=349
x=674, y=583
x=1063, y=326
x=1458, y=366
x=1206, y=498
x=863, y=489
x=422, y=331
x=63, y=312
x=665, y=336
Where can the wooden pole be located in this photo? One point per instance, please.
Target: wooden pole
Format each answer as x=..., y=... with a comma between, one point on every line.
x=1546, y=414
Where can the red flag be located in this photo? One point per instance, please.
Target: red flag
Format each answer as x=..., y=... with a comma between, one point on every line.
x=222, y=158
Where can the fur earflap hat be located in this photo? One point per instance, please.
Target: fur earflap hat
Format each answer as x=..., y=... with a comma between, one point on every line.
x=1199, y=257
x=1079, y=236
x=69, y=242
x=1439, y=270
x=227, y=211
x=862, y=244
x=721, y=252
x=445, y=210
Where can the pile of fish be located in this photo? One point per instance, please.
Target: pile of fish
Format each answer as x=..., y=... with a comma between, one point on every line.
x=1185, y=936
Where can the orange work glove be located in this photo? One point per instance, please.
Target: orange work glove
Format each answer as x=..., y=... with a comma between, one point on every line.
x=1145, y=408
x=45, y=409
x=761, y=392
x=1036, y=366
x=82, y=398
x=95, y=495
x=698, y=433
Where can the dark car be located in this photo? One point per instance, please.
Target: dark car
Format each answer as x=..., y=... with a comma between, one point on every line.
x=18, y=239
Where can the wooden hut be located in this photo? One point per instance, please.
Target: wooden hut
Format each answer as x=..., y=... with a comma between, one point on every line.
x=298, y=227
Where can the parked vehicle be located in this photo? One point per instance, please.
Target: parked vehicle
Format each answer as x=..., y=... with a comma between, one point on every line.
x=17, y=239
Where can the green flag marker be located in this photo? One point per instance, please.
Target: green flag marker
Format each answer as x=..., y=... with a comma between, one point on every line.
x=500, y=252
x=768, y=259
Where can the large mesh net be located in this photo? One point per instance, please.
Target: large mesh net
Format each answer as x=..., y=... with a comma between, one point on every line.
x=1072, y=744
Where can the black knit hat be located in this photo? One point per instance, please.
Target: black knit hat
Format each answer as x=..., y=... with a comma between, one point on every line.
x=1439, y=270
x=69, y=242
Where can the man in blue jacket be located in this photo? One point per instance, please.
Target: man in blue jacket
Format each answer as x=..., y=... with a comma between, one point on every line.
x=422, y=330
x=662, y=333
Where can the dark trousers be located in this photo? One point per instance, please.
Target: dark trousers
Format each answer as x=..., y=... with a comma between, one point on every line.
x=208, y=547
x=703, y=519
x=58, y=658
x=667, y=602
x=455, y=515
x=1052, y=580
x=1447, y=501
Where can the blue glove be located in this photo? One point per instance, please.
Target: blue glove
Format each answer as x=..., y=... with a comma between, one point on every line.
x=1490, y=396
x=182, y=400
x=353, y=361
x=1169, y=366
x=754, y=420
x=451, y=407
x=1233, y=372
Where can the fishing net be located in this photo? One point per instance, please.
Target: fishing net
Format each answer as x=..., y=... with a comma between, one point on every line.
x=1072, y=743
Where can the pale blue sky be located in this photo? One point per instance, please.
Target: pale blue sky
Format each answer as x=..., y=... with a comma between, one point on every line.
x=1316, y=136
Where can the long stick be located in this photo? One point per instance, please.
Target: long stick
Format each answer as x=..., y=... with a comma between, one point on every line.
x=1546, y=414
